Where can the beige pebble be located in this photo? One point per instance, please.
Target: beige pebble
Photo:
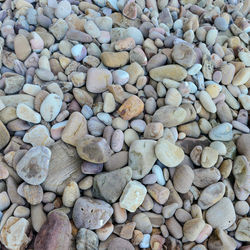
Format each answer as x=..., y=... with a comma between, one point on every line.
x=109, y=103
x=159, y=193
x=209, y=157
x=70, y=194
x=86, y=183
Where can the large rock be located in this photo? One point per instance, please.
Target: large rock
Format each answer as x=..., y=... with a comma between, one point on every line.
x=141, y=157
x=222, y=214
x=65, y=166
x=93, y=149
x=91, y=213
x=55, y=233
x=87, y=240
x=173, y=71
x=109, y=186
x=169, y=116
x=14, y=234
x=168, y=153
x=34, y=166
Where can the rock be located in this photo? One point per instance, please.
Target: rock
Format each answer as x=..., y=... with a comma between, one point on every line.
x=174, y=72
x=169, y=116
x=222, y=214
x=209, y=157
x=109, y=104
x=12, y=191
x=70, y=194
x=184, y=55
x=173, y=97
x=153, y=130
x=21, y=47
x=141, y=157
x=159, y=193
x=174, y=228
x=221, y=23
x=22, y=212
x=86, y=239
x=38, y=135
x=33, y=166
x=59, y=29
x=120, y=77
x=50, y=107
x=25, y=113
x=79, y=52
x=93, y=149
x=142, y=223
x=33, y=194
x=130, y=9
x=131, y=108
x=205, y=177
x=241, y=77
x=116, y=179
x=38, y=216
x=243, y=145
x=14, y=234
x=117, y=161
x=55, y=232
x=222, y=132
x=119, y=243
x=211, y=195
x=183, y=179
x=104, y=232
x=98, y=80
x=13, y=84
x=4, y=136
x=91, y=28
x=244, y=100
x=114, y=59
x=242, y=231
x=91, y=213
x=132, y=196
x=63, y=9
x=44, y=74
x=4, y=201
x=14, y=100
x=207, y=102
x=76, y=128
x=192, y=228
x=62, y=169
x=168, y=153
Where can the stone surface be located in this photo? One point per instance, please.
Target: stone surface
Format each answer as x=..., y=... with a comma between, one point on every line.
x=34, y=166
x=141, y=157
x=93, y=149
x=114, y=59
x=168, y=153
x=55, y=232
x=86, y=239
x=91, y=213
x=132, y=196
x=4, y=135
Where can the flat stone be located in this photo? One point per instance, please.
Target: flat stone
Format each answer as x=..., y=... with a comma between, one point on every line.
x=211, y=195
x=50, y=107
x=55, y=232
x=120, y=243
x=93, y=149
x=59, y=29
x=243, y=144
x=174, y=72
x=21, y=47
x=62, y=169
x=33, y=194
x=222, y=132
x=4, y=135
x=13, y=84
x=242, y=232
x=70, y=194
x=141, y=157
x=38, y=135
x=34, y=165
x=91, y=213
x=222, y=214
x=116, y=179
x=14, y=234
x=192, y=228
x=115, y=59
x=168, y=153
x=98, y=80
x=132, y=196
x=169, y=116
x=86, y=239
x=24, y=112
x=14, y=100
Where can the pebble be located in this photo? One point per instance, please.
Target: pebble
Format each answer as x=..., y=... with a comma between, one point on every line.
x=34, y=165
x=145, y=241
x=79, y=52
x=21, y=47
x=4, y=135
x=221, y=23
x=209, y=157
x=159, y=174
x=222, y=214
x=5, y=201
x=133, y=196
x=141, y=157
x=63, y=9
x=86, y=239
x=25, y=113
x=120, y=243
x=91, y=213
x=207, y=101
x=168, y=153
x=114, y=59
x=70, y=194
x=192, y=228
x=120, y=77
x=221, y=132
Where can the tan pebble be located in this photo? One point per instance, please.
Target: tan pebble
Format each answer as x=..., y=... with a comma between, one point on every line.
x=86, y=183
x=125, y=44
x=137, y=237
x=127, y=230
x=226, y=168
x=241, y=77
x=117, y=140
x=114, y=59
x=142, y=223
x=4, y=135
x=174, y=228
x=70, y=194
x=39, y=99
x=131, y=108
x=130, y=135
x=153, y=130
x=213, y=90
x=120, y=214
x=159, y=193
x=192, y=228
x=204, y=234
x=104, y=232
x=173, y=97
x=119, y=123
x=109, y=103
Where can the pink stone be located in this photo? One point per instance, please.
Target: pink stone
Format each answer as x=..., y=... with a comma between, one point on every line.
x=104, y=37
x=74, y=106
x=91, y=168
x=57, y=129
x=206, y=231
x=243, y=116
x=37, y=43
x=220, y=98
x=130, y=9
x=217, y=76
x=240, y=126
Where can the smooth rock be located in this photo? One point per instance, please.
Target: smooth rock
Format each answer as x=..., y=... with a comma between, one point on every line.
x=86, y=239
x=70, y=194
x=24, y=112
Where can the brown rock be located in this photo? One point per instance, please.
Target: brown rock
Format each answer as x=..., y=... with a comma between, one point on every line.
x=115, y=59
x=22, y=47
x=119, y=243
x=93, y=149
x=243, y=145
x=55, y=233
x=131, y=108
